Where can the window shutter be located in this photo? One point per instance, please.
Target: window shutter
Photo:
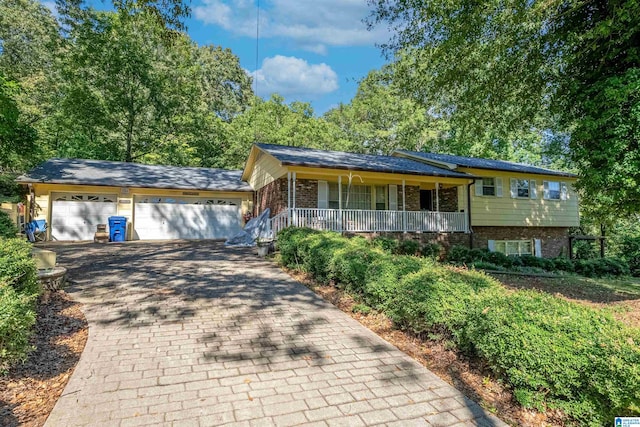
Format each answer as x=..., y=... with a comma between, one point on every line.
x=491, y=244
x=537, y=248
x=323, y=195
x=545, y=193
x=564, y=191
x=478, y=186
x=393, y=197
x=533, y=189
x=498, y=182
x=514, y=188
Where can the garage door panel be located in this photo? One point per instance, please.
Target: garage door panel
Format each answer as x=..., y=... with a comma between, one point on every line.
x=73, y=219
x=187, y=219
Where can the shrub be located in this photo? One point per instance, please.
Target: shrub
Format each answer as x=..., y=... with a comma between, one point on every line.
x=19, y=290
x=584, y=249
x=408, y=247
x=537, y=262
x=386, y=244
x=436, y=298
x=498, y=258
x=361, y=308
x=431, y=250
x=630, y=249
x=459, y=255
x=349, y=265
x=288, y=242
x=316, y=251
x=563, y=264
x=7, y=228
x=384, y=275
x=601, y=267
x=557, y=353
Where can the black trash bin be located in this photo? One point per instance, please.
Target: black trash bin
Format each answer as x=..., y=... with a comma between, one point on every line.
x=117, y=228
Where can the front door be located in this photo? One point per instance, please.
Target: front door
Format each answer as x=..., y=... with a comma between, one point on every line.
x=426, y=200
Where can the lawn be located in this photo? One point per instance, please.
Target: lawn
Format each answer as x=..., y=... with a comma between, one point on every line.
x=621, y=295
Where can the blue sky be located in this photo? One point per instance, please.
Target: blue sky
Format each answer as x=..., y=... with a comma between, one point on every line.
x=309, y=50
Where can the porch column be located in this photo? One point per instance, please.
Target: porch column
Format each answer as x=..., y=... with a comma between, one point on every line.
x=288, y=198
x=295, y=213
x=438, y=219
x=404, y=208
x=340, y=203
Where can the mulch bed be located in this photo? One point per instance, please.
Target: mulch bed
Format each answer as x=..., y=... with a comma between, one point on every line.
x=30, y=390
x=471, y=377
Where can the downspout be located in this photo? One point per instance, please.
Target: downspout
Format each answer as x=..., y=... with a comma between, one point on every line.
x=469, y=229
x=289, y=199
x=295, y=213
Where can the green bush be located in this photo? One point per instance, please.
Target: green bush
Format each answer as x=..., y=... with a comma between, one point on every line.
x=384, y=275
x=288, y=242
x=584, y=249
x=538, y=262
x=349, y=265
x=459, y=255
x=408, y=247
x=7, y=228
x=316, y=252
x=557, y=353
x=498, y=258
x=563, y=264
x=431, y=250
x=19, y=290
x=436, y=298
x=485, y=265
x=386, y=244
x=630, y=250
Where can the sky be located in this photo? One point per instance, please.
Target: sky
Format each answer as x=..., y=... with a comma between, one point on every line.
x=308, y=50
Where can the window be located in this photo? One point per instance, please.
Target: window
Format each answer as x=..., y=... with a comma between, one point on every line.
x=522, y=188
x=488, y=186
x=514, y=247
x=381, y=197
x=358, y=197
x=552, y=190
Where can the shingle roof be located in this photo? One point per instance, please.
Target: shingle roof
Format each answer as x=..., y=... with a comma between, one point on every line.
x=120, y=174
x=472, y=162
x=298, y=156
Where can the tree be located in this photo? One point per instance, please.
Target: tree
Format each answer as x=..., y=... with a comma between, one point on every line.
x=17, y=138
x=500, y=69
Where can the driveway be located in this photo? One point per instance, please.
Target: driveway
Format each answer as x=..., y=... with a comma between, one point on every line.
x=193, y=333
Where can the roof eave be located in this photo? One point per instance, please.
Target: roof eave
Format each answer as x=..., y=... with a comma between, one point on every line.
x=457, y=175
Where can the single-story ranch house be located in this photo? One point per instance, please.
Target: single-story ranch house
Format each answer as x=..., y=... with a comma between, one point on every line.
x=503, y=206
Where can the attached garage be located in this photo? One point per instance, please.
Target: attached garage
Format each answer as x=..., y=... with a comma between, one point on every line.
x=74, y=216
x=159, y=202
x=158, y=218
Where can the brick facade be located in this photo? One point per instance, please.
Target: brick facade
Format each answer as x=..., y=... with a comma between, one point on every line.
x=272, y=196
x=411, y=198
x=448, y=199
x=554, y=240
x=306, y=193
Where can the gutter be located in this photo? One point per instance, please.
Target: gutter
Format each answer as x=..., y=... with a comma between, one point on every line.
x=469, y=212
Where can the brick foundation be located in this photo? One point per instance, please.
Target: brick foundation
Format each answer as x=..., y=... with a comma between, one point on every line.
x=554, y=240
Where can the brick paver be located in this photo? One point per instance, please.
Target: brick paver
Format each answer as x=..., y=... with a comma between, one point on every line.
x=193, y=333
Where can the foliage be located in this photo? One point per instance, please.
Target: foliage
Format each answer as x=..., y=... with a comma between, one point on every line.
x=8, y=228
x=18, y=293
x=17, y=136
x=409, y=247
x=361, y=308
x=557, y=353
x=584, y=249
x=431, y=250
x=554, y=353
x=387, y=244
x=631, y=252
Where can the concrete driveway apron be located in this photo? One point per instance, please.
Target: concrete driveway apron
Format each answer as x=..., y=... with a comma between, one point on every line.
x=196, y=334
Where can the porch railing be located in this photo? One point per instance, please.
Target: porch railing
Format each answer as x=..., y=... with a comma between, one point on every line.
x=355, y=220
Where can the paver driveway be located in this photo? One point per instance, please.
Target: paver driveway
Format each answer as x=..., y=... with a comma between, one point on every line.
x=193, y=333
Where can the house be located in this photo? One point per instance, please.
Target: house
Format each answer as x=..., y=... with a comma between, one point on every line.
x=503, y=206
x=159, y=202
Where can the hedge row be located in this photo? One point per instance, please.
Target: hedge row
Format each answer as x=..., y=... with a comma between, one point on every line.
x=19, y=290
x=553, y=353
x=483, y=259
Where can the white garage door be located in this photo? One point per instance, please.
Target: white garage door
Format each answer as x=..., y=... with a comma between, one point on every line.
x=186, y=218
x=75, y=216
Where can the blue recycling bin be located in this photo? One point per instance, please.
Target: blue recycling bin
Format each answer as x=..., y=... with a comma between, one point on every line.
x=117, y=228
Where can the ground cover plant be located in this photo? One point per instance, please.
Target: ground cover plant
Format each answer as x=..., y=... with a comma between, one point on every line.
x=551, y=352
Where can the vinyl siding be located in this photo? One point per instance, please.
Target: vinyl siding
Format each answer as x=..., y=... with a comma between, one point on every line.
x=266, y=169
x=538, y=212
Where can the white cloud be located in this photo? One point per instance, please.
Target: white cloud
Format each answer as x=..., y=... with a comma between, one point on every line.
x=294, y=77
x=51, y=5
x=310, y=24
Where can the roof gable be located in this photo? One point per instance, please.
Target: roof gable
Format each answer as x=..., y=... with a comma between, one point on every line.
x=121, y=174
x=307, y=157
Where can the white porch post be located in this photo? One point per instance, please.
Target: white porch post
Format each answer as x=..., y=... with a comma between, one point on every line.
x=295, y=213
x=340, y=203
x=288, y=198
x=404, y=208
x=438, y=222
